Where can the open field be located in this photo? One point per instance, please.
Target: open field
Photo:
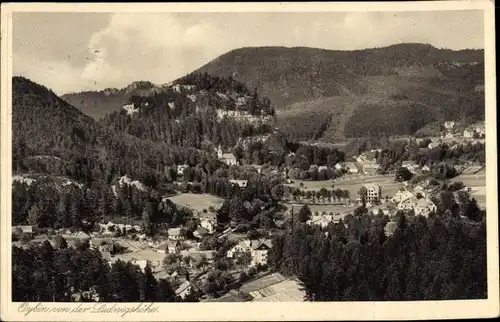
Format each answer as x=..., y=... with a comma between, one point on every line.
x=132, y=245
x=197, y=202
x=352, y=184
x=477, y=183
x=262, y=282
x=285, y=291
x=145, y=254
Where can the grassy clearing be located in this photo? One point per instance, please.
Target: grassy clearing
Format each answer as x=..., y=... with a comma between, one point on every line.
x=145, y=254
x=352, y=184
x=477, y=183
x=197, y=202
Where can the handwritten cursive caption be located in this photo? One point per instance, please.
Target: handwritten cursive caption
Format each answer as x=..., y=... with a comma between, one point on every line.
x=101, y=308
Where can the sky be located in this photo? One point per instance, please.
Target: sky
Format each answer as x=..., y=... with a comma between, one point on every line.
x=72, y=52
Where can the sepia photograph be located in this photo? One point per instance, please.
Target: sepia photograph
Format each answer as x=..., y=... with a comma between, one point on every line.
x=271, y=156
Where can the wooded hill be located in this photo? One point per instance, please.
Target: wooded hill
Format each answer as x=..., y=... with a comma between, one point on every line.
x=195, y=111
x=329, y=94
x=45, y=125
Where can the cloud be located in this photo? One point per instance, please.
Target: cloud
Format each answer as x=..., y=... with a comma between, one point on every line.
x=152, y=46
x=113, y=50
x=57, y=75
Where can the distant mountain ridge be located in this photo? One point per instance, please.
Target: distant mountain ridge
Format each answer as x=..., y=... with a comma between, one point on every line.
x=289, y=75
x=321, y=94
x=97, y=104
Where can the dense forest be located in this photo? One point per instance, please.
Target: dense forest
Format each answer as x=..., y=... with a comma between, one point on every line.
x=64, y=274
x=188, y=116
x=44, y=125
x=436, y=258
x=278, y=150
x=335, y=94
x=372, y=120
x=289, y=75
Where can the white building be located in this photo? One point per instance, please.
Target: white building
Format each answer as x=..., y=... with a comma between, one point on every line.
x=175, y=234
x=324, y=220
x=181, y=168
x=184, y=289
x=423, y=206
x=468, y=134
x=130, y=108
x=370, y=167
x=258, y=250
x=239, y=183
x=169, y=247
x=208, y=221
x=373, y=192
x=449, y=125
x=227, y=158
x=351, y=167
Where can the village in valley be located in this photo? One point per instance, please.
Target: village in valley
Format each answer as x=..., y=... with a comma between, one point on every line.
x=247, y=174
x=187, y=256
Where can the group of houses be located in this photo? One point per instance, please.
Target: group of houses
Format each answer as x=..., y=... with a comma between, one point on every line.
x=475, y=131
x=365, y=163
x=207, y=226
x=110, y=227
x=324, y=220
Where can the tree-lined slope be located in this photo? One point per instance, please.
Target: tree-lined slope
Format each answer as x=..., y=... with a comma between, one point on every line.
x=342, y=84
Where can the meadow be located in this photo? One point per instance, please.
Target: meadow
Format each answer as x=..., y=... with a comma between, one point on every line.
x=477, y=183
x=197, y=202
x=352, y=184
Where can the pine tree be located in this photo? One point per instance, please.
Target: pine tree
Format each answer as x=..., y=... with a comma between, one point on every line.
x=150, y=285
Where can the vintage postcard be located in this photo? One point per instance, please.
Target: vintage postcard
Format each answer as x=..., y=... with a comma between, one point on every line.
x=248, y=161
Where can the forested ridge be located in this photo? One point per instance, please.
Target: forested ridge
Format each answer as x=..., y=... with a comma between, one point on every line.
x=189, y=115
x=45, y=125
x=344, y=85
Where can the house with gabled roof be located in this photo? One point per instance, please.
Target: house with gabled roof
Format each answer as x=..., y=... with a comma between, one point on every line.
x=169, y=247
x=257, y=248
x=227, y=158
x=423, y=206
x=176, y=234
x=239, y=183
x=184, y=289
x=18, y=230
x=208, y=220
